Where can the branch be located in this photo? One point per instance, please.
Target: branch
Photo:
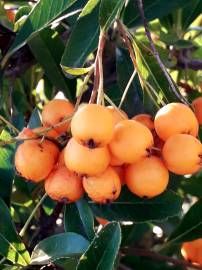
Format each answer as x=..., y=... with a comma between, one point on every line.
x=99, y=54
x=194, y=64
x=158, y=257
x=156, y=54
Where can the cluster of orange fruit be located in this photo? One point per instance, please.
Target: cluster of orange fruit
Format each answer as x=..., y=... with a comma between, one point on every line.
x=192, y=251
x=107, y=150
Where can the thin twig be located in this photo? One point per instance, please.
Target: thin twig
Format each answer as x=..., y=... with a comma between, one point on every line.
x=156, y=54
x=159, y=257
x=127, y=88
x=9, y=124
x=108, y=99
x=98, y=61
x=22, y=232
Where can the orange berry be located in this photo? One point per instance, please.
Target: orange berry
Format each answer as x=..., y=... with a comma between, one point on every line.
x=197, y=104
x=131, y=141
x=62, y=184
x=26, y=133
x=120, y=171
x=147, y=178
x=55, y=112
x=102, y=221
x=84, y=160
x=192, y=251
x=11, y=14
x=115, y=161
x=175, y=118
x=103, y=188
x=145, y=119
x=34, y=160
x=92, y=125
x=182, y=154
x=118, y=116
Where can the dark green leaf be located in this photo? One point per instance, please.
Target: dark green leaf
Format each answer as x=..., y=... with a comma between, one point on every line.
x=153, y=9
x=35, y=119
x=192, y=185
x=6, y=167
x=11, y=246
x=132, y=208
x=57, y=246
x=84, y=37
x=79, y=218
x=109, y=11
x=191, y=225
x=44, y=12
x=43, y=45
x=103, y=250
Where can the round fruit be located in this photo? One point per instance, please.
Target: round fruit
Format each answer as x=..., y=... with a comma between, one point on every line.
x=197, y=105
x=55, y=111
x=147, y=178
x=103, y=188
x=131, y=141
x=182, y=154
x=175, y=118
x=84, y=160
x=145, y=119
x=92, y=125
x=35, y=160
x=118, y=116
x=51, y=133
x=191, y=250
x=102, y=221
x=115, y=161
x=62, y=184
x=11, y=15
x=120, y=171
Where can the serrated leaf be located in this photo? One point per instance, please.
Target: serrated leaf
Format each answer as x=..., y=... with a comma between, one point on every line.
x=103, y=250
x=6, y=167
x=57, y=246
x=108, y=12
x=132, y=208
x=79, y=218
x=43, y=13
x=84, y=37
x=11, y=246
x=76, y=71
x=43, y=47
x=190, y=227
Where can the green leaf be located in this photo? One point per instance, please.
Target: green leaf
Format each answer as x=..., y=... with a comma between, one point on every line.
x=79, y=218
x=84, y=37
x=35, y=119
x=108, y=12
x=124, y=68
x=6, y=167
x=44, y=12
x=102, y=252
x=151, y=76
x=153, y=9
x=132, y=208
x=192, y=185
x=43, y=45
x=190, y=227
x=76, y=71
x=11, y=246
x=57, y=246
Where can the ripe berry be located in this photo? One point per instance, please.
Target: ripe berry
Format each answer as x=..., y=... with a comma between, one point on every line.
x=182, y=154
x=131, y=141
x=84, y=160
x=103, y=188
x=62, y=184
x=175, y=118
x=55, y=112
x=35, y=160
x=147, y=178
x=145, y=119
x=118, y=116
x=92, y=125
x=197, y=104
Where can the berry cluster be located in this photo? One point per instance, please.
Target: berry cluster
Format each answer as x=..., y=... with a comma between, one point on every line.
x=107, y=150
